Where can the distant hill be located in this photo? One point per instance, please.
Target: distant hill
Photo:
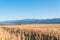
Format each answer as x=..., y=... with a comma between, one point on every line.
x=33, y=21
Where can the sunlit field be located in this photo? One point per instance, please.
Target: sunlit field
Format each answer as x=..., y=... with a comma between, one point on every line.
x=30, y=32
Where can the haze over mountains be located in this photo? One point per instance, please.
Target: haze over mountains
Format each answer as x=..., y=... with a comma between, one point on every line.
x=33, y=21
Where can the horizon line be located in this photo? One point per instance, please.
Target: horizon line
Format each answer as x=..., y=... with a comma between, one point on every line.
x=29, y=19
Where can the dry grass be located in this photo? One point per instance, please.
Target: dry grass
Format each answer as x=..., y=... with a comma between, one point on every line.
x=30, y=32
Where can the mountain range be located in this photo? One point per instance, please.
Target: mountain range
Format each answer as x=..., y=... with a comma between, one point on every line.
x=33, y=21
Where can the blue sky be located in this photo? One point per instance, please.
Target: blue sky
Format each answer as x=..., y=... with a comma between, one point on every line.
x=29, y=9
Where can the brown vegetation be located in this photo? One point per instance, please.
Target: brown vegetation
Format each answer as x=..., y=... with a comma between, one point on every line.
x=30, y=32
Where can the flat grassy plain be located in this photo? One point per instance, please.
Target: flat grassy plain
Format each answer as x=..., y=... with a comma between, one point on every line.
x=30, y=32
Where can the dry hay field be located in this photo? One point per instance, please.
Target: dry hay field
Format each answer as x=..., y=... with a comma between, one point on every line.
x=30, y=32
